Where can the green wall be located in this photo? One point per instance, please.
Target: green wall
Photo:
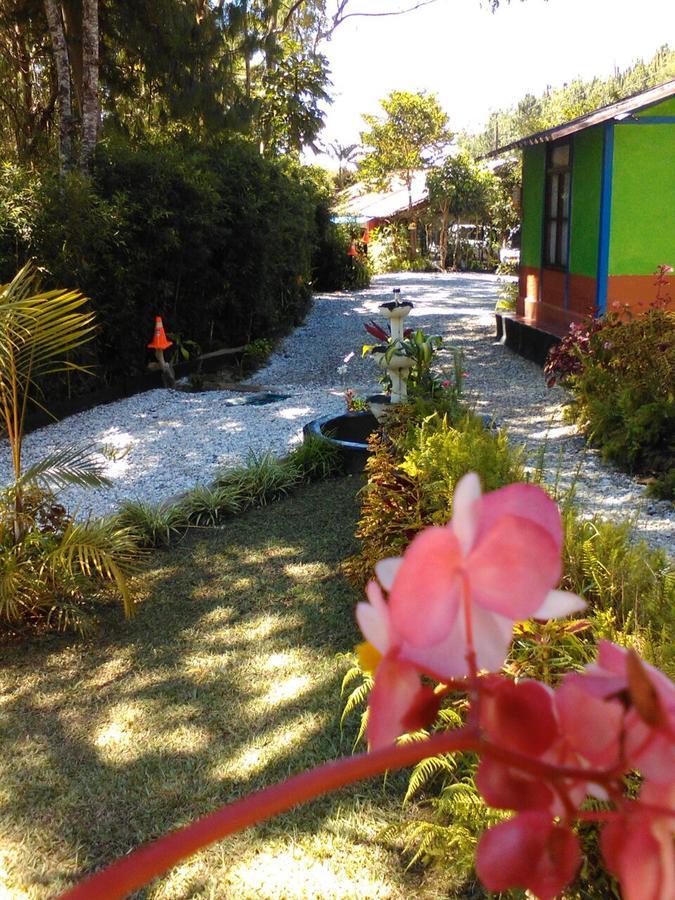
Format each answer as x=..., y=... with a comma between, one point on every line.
x=643, y=199
x=534, y=166
x=666, y=108
x=586, y=182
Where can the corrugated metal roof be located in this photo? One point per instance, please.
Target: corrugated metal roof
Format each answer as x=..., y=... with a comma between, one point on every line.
x=382, y=204
x=620, y=110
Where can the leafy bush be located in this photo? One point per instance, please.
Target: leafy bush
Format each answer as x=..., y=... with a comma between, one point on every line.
x=219, y=241
x=263, y=480
x=334, y=268
x=620, y=374
x=412, y=474
x=52, y=575
x=630, y=591
x=50, y=565
x=389, y=251
x=206, y=507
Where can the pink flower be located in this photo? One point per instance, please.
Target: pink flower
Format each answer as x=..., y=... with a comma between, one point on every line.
x=529, y=852
x=497, y=562
x=445, y=384
x=638, y=718
x=638, y=846
x=523, y=718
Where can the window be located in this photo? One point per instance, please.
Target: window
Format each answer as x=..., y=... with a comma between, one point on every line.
x=556, y=223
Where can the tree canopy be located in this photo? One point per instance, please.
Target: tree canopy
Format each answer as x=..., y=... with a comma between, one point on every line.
x=411, y=135
x=578, y=97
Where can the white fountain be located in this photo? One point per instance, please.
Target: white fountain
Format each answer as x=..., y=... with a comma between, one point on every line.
x=392, y=358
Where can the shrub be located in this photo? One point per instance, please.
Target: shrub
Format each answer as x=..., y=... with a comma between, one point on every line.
x=620, y=376
x=206, y=507
x=389, y=251
x=412, y=475
x=50, y=565
x=220, y=242
x=334, y=268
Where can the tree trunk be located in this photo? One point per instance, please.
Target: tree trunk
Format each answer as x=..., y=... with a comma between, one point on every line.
x=90, y=98
x=456, y=252
x=62, y=66
x=443, y=248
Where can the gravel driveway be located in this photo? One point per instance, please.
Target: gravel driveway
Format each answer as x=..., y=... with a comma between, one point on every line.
x=163, y=442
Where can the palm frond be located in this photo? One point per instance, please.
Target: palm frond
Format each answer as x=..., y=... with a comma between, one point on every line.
x=66, y=466
x=97, y=549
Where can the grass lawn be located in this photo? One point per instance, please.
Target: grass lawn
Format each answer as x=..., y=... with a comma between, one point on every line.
x=227, y=680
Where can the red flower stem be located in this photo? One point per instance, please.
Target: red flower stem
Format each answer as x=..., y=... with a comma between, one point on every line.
x=138, y=868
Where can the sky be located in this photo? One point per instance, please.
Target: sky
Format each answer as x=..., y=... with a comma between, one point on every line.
x=476, y=61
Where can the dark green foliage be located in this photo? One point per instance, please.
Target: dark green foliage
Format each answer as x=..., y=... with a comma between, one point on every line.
x=621, y=376
x=216, y=239
x=334, y=268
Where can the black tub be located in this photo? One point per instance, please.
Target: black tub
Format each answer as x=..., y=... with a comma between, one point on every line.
x=348, y=432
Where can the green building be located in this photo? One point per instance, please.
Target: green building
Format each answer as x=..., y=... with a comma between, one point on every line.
x=598, y=211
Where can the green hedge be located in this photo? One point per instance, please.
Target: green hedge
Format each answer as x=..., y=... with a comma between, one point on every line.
x=220, y=242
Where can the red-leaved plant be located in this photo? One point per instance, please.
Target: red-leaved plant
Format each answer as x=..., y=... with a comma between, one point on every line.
x=439, y=621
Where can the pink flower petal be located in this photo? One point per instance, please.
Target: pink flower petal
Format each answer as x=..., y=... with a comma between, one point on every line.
x=513, y=567
x=424, y=598
x=448, y=659
x=394, y=695
x=374, y=626
x=592, y=727
x=633, y=854
x=558, y=604
x=386, y=570
x=466, y=510
x=492, y=635
x=527, y=501
x=529, y=852
x=520, y=716
x=505, y=788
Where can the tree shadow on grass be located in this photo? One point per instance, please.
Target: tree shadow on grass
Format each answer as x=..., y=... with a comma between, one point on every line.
x=227, y=680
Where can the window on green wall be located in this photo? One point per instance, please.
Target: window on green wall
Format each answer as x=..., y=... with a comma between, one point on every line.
x=557, y=209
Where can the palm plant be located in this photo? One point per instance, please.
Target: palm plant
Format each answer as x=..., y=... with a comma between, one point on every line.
x=47, y=560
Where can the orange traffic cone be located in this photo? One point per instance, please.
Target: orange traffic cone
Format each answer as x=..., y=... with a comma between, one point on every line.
x=352, y=249
x=159, y=340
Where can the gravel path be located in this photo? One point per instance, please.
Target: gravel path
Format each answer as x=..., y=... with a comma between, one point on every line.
x=163, y=442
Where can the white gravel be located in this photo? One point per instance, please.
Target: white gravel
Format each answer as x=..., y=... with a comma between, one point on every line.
x=160, y=443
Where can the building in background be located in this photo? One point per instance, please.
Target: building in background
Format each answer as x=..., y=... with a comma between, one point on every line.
x=598, y=211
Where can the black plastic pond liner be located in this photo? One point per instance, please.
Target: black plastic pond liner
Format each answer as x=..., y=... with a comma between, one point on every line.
x=348, y=432
x=261, y=399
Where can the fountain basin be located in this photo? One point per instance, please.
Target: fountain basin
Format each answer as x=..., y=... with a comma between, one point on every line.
x=349, y=433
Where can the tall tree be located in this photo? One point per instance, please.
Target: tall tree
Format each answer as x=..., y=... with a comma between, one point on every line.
x=410, y=136
x=90, y=76
x=62, y=67
x=27, y=83
x=459, y=190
